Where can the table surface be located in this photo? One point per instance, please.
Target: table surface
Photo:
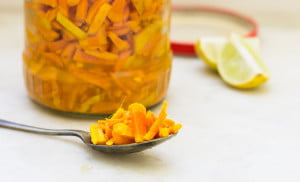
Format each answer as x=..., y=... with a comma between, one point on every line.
x=227, y=135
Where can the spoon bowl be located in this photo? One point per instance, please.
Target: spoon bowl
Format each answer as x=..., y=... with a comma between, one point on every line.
x=86, y=138
x=129, y=148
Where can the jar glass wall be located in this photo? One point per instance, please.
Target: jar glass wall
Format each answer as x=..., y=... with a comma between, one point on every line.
x=93, y=56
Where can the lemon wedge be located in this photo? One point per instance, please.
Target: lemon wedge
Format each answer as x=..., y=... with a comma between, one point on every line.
x=240, y=66
x=209, y=49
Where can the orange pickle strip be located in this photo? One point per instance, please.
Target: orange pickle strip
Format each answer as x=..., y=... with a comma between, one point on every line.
x=134, y=125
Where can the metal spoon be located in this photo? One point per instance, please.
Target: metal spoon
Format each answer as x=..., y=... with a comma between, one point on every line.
x=86, y=138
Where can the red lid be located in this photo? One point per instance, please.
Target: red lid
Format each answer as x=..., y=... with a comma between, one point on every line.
x=188, y=48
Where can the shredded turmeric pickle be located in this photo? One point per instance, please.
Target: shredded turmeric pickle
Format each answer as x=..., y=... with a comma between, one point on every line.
x=134, y=125
x=91, y=56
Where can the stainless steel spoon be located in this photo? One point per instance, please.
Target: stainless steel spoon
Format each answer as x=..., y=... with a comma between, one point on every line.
x=86, y=138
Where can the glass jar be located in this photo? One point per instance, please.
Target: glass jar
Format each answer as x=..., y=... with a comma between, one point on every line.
x=93, y=56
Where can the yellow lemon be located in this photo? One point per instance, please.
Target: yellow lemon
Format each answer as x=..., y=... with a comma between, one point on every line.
x=240, y=66
x=209, y=49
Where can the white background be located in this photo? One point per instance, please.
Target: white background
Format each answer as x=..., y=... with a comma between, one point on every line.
x=228, y=135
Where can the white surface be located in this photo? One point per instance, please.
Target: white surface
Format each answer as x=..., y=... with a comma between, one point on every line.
x=228, y=135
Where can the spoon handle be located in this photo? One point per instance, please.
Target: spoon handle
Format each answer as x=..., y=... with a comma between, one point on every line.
x=32, y=129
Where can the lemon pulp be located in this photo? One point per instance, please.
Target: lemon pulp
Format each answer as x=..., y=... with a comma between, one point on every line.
x=240, y=66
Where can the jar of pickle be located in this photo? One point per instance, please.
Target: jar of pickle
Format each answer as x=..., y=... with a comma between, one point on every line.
x=94, y=56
